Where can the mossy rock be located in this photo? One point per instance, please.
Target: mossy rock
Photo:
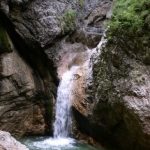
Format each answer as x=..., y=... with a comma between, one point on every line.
x=5, y=45
x=68, y=21
x=81, y=2
x=147, y=21
x=129, y=28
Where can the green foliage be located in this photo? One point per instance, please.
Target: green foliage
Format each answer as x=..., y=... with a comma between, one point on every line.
x=129, y=28
x=129, y=16
x=68, y=21
x=81, y=2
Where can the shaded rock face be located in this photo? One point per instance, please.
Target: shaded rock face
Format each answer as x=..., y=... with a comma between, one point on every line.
x=24, y=94
x=7, y=142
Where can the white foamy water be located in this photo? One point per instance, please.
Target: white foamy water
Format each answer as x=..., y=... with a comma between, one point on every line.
x=62, y=124
x=44, y=143
x=55, y=143
x=96, y=52
x=92, y=58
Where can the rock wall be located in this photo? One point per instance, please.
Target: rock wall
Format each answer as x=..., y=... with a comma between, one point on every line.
x=38, y=36
x=118, y=114
x=36, y=29
x=122, y=96
x=24, y=92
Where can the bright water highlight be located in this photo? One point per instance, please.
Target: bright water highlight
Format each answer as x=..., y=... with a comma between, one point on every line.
x=62, y=124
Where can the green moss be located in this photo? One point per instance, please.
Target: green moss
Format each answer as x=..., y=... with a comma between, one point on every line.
x=129, y=15
x=4, y=40
x=81, y=2
x=68, y=21
x=129, y=27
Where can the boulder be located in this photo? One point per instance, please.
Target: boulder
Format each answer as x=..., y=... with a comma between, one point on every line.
x=120, y=95
x=122, y=98
x=7, y=142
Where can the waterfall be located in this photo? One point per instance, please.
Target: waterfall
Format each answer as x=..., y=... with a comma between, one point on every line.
x=62, y=124
x=75, y=78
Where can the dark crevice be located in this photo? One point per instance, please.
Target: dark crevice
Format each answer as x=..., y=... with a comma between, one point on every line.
x=34, y=56
x=99, y=132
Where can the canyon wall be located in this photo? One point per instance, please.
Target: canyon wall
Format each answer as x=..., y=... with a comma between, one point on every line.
x=36, y=36
x=39, y=41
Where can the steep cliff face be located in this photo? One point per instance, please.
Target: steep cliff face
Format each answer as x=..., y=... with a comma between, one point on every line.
x=23, y=92
x=121, y=76
x=122, y=96
x=121, y=85
x=45, y=22
x=39, y=35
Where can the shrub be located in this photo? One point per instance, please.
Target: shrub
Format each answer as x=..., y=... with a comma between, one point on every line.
x=68, y=21
x=81, y=2
x=129, y=28
x=129, y=16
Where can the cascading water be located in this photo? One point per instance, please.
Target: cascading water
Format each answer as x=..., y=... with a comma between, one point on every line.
x=62, y=124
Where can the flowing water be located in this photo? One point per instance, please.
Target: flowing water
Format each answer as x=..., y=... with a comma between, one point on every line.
x=46, y=143
x=62, y=124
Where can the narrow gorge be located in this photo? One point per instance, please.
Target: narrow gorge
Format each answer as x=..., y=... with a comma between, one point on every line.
x=75, y=74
